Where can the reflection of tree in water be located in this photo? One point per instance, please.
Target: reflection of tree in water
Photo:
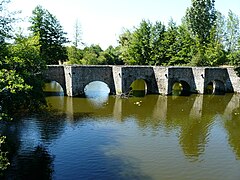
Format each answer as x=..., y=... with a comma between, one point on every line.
x=37, y=164
x=233, y=128
x=193, y=137
x=28, y=161
x=194, y=132
x=51, y=125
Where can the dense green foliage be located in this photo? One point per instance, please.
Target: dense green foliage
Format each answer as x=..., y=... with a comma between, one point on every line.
x=201, y=17
x=20, y=79
x=52, y=36
x=144, y=45
x=94, y=55
x=5, y=27
x=20, y=82
x=20, y=76
x=205, y=38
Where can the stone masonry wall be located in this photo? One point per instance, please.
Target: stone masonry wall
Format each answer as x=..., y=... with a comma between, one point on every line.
x=159, y=80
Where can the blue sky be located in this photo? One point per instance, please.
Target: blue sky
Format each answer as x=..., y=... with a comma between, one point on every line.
x=102, y=21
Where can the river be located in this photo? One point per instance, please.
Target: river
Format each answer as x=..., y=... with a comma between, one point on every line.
x=151, y=137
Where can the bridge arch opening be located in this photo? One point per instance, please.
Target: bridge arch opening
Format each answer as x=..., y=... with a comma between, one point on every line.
x=181, y=88
x=97, y=93
x=53, y=88
x=96, y=89
x=138, y=88
x=215, y=87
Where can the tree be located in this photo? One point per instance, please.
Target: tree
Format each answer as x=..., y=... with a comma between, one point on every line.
x=228, y=34
x=233, y=56
x=204, y=23
x=181, y=45
x=221, y=28
x=27, y=49
x=125, y=42
x=6, y=20
x=5, y=28
x=74, y=55
x=94, y=55
x=136, y=45
x=91, y=55
x=13, y=93
x=232, y=32
x=22, y=84
x=143, y=46
x=111, y=55
x=141, y=43
x=77, y=35
x=214, y=52
x=157, y=46
x=201, y=17
x=20, y=81
x=52, y=36
x=170, y=42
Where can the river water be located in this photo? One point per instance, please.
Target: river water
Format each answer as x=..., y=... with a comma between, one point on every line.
x=153, y=137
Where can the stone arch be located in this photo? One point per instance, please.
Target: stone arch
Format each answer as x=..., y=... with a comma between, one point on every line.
x=139, y=87
x=184, y=88
x=132, y=73
x=80, y=76
x=216, y=87
x=56, y=73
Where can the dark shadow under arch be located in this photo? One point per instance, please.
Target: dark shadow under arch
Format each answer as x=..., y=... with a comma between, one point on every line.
x=215, y=87
x=138, y=88
x=181, y=88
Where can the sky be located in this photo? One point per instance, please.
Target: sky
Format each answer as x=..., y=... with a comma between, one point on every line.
x=102, y=21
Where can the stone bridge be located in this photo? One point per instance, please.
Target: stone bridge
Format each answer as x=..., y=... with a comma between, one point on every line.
x=159, y=80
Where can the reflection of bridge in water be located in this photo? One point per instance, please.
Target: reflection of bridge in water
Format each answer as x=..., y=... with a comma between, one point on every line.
x=163, y=108
x=153, y=109
x=159, y=80
x=194, y=116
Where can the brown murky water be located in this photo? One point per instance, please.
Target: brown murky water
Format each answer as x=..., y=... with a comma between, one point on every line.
x=153, y=137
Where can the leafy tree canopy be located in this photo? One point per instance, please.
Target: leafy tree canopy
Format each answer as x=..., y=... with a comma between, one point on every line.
x=52, y=36
x=201, y=17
